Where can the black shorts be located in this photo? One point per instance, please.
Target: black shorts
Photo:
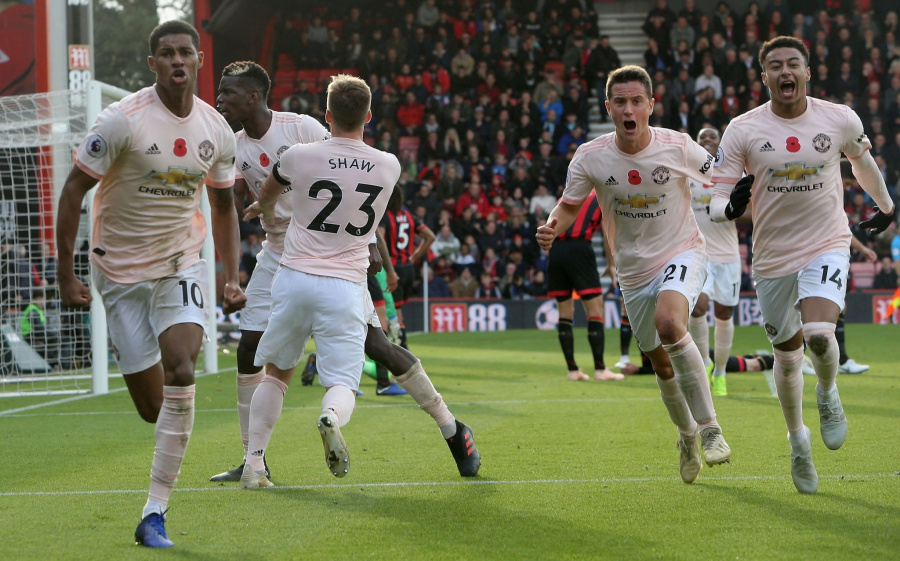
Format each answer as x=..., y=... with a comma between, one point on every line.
x=573, y=266
x=405, y=285
x=375, y=291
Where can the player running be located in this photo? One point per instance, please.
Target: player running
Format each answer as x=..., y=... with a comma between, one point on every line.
x=640, y=174
x=152, y=152
x=791, y=148
x=723, y=279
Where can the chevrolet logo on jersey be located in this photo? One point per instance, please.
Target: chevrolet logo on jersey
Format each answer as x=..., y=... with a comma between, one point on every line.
x=793, y=172
x=640, y=200
x=177, y=176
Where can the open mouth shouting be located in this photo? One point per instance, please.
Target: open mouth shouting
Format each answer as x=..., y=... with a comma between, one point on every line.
x=179, y=76
x=788, y=88
x=630, y=125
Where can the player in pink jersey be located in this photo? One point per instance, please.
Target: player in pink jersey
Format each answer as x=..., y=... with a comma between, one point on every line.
x=338, y=191
x=264, y=136
x=724, y=274
x=791, y=148
x=151, y=152
x=640, y=174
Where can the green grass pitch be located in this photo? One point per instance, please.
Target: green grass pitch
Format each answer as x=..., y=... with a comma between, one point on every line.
x=585, y=470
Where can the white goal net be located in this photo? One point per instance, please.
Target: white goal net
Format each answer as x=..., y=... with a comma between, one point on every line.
x=46, y=348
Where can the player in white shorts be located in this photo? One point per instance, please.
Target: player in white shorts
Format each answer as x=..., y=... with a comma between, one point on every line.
x=791, y=148
x=338, y=192
x=152, y=152
x=640, y=174
x=723, y=280
x=264, y=136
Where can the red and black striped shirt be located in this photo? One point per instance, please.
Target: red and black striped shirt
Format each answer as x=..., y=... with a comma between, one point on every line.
x=400, y=230
x=587, y=222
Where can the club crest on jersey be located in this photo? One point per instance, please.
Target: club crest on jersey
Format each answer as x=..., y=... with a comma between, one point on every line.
x=640, y=200
x=660, y=175
x=770, y=329
x=206, y=150
x=281, y=151
x=96, y=146
x=822, y=143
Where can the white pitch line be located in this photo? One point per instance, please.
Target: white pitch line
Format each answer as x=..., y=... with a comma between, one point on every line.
x=445, y=484
x=12, y=413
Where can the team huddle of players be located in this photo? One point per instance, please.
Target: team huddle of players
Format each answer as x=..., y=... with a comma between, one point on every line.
x=320, y=198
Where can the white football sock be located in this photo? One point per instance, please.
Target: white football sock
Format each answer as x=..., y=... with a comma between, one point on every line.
x=173, y=432
x=823, y=351
x=416, y=382
x=690, y=373
x=246, y=385
x=265, y=409
x=339, y=400
x=724, y=337
x=699, y=330
x=677, y=406
x=789, y=383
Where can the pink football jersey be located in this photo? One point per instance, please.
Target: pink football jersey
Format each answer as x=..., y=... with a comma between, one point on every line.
x=255, y=158
x=645, y=198
x=338, y=193
x=721, y=237
x=797, y=195
x=151, y=166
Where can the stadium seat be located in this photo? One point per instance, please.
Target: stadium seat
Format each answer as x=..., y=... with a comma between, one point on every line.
x=863, y=274
x=311, y=77
x=326, y=73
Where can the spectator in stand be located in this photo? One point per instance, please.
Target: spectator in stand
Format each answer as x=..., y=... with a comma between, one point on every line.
x=551, y=108
x=682, y=31
x=450, y=186
x=410, y=116
x=446, y=244
x=656, y=58
x=602, y=60
x=486, y=288
x=438, y=287
x=886, y=277
x=491, y=238
x=317, y=32
x=708, y=79
x=574, y=137
x=451, y=147
x=537, y=288
x=473, y=199
x=465, y=285
x=542, y=200
x=428, y=14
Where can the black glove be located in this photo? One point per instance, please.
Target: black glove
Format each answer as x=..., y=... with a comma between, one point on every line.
x=740, y=198
x=877, y=223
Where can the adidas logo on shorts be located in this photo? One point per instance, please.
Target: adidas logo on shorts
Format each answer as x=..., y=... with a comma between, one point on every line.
x=611, y=181
x=767, y=147
x=152, y=150
x=245, y=166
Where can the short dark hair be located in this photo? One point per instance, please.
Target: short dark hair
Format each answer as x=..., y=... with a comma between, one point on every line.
x=779, y=42
x=629, y=73
x=251, y=72
x=173, y=27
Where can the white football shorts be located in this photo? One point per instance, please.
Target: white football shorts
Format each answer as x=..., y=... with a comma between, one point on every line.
x=723, y=283
x=255, y=315
x=138, y=313
x=685, y=273
x=779, y=299
x=330, y=309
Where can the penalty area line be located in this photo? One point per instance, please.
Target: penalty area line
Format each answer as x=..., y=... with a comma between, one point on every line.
x=870, y=476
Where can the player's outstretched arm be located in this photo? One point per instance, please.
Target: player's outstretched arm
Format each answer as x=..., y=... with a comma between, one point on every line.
x=72, y=291
x=227, y=238
x=561, y=219
x=870, y=179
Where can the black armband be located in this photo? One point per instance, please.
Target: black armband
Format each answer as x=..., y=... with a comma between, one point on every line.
x=277, y=175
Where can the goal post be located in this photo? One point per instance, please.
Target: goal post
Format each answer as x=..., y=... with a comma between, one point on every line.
x=38, y=137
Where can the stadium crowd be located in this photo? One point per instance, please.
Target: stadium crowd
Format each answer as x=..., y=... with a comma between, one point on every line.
x=485, y=104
